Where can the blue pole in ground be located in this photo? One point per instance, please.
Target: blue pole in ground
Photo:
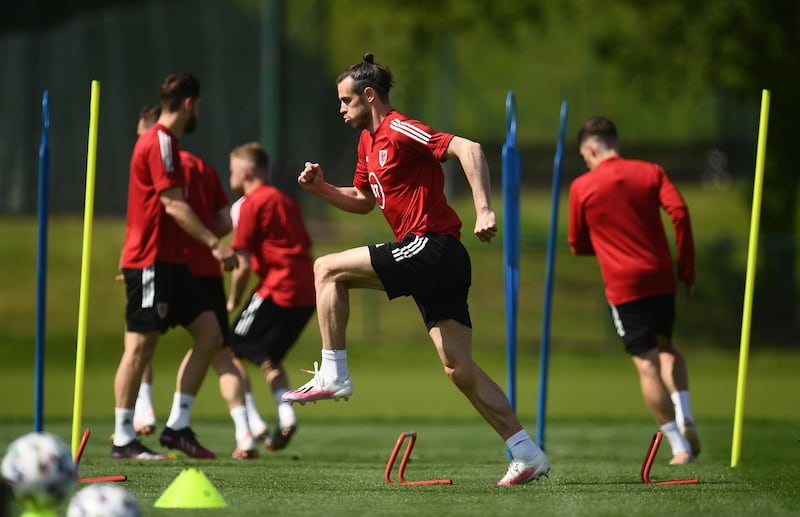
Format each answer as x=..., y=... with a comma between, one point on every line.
x=41, y=265
x=544, y=351
x=511, y=180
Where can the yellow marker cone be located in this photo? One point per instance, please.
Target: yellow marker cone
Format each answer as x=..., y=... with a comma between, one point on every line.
x=191, y=489
x=32, y=509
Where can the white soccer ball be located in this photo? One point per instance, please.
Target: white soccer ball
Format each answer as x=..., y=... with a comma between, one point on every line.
x=39, y=469
x=104, y=500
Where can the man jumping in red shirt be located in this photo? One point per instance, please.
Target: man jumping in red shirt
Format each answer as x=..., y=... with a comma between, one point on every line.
x=399, y=169
x=615, y=214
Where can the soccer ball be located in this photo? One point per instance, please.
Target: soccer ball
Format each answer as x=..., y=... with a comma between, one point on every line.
x=103, y=500
x=39, y=469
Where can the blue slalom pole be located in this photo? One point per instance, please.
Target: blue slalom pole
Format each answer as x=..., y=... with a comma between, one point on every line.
x=511, y=181
x=544, y=350
x=41, y=265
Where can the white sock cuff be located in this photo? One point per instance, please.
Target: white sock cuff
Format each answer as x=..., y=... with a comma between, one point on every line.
x=278, y=394
x=184, y=398
x=522, y=445
x=238, y=410
x=669, y=427
x=334, y=354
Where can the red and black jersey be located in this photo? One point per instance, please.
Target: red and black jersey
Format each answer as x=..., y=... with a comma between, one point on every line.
x=150, y=233
x=271, y=229
x=615, y=213
x=401, y=165
x=206, y=196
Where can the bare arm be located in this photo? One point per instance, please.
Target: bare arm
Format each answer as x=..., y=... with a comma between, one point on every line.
x=239, y=279
x=222, y=221
x=476, y=169
x=179, y=209
x=349, y=199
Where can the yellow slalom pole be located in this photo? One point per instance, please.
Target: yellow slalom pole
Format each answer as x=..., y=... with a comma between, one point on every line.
x=752, y=253
x=86, y=254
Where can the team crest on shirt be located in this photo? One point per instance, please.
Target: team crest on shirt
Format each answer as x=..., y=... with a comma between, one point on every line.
x=383, y=155
x=377, y=189
x=161, y=309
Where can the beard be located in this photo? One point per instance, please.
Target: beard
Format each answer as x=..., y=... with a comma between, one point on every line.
x=191, y=123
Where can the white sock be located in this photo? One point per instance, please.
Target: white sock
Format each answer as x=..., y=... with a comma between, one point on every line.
x=683, y=411
x=334, y=364
x=286, y=415
x=144, y=402
x=253, y=416
x=181, y=412
x=240, y=423
x=522, y=446
x=675, y=438
x=123, y=426
x=676, y=402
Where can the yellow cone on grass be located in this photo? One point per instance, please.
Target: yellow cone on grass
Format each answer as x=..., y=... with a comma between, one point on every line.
x=191, y=489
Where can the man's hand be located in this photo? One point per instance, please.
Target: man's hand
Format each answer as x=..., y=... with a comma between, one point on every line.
x=689, y=291
x=231, y=305
x=225, y=255
x=311, y=177
x=486, y=225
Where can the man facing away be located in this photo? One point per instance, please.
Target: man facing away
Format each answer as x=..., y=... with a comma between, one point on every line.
x=206, y=196
x=399, y=169
x=615, y=214
x=271, y=239
x=161, y=291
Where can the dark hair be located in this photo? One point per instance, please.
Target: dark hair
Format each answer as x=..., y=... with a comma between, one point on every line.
x=150, y=114
x=368, y=73
x=600, y=128
x=254, y=152
x=176, y=87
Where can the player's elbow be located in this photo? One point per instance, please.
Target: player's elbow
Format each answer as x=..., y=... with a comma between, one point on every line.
x=578, y=249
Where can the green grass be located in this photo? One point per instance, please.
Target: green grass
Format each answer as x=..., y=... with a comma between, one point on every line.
x=336, y=467
x=597, y=431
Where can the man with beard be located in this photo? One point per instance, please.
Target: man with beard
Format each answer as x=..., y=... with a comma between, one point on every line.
x=161, y=291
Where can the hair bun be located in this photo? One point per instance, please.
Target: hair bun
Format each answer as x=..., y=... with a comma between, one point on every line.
x=369, y=57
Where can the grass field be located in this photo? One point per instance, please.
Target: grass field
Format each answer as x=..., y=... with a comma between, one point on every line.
x=597, y=431
x=336, y=467
x=596, y=435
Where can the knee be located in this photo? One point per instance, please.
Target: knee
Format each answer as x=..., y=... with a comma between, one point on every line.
x=463, y=376
x=450, y=372
x=323, y=269
x=223, y=362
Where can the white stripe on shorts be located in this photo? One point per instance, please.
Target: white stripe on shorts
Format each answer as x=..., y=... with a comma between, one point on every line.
x=248, y=315
x=617, y=321
x=409, y=250
x=148, y=286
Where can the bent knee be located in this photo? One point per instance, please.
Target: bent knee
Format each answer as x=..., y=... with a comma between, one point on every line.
x=323, y=268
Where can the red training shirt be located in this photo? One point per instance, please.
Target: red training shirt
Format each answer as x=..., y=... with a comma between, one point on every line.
x=401, y=165
x=614, y=212
x=271, y=229
x=206, y=196
x=150, y=233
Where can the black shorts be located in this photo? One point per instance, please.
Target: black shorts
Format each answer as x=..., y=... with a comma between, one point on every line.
x=264, y=330
x=640, y=321
x=162, y=296
x=433, y=269
x=214, y=288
